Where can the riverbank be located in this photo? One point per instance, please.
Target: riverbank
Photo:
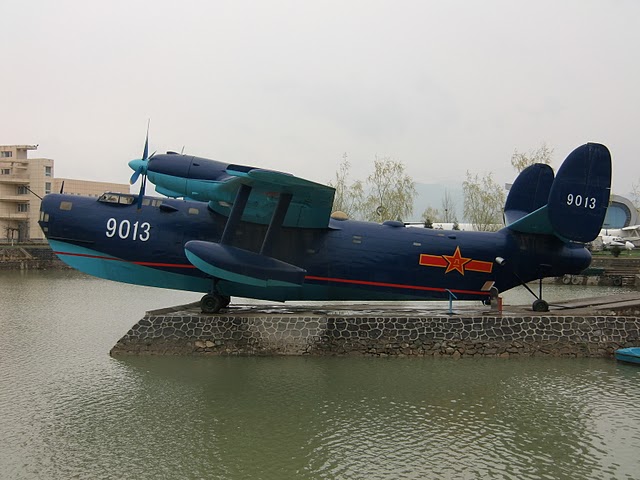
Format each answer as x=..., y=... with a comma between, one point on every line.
x=588, y=328
x=32, y=256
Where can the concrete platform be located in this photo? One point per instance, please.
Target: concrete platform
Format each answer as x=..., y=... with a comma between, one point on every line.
x=586, y=327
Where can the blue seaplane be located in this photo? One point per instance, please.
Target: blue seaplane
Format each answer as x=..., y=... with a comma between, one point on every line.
x=240, y=231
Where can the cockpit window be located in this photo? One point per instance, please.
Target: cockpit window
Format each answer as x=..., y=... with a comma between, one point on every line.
x=66, y=205
x=120, y=198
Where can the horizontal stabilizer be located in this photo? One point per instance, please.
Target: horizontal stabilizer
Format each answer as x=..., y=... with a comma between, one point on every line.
x=535, y=222
x=242, y=266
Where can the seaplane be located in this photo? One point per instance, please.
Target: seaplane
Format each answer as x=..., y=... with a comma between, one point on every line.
x=230, y=230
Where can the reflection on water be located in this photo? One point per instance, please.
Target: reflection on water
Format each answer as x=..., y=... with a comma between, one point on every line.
x=68, y=410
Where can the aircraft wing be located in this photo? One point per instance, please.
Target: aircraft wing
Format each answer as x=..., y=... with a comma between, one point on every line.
x=218, y=183
x=310, y=206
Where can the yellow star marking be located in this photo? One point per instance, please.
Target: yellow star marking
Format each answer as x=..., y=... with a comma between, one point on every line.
x=456, y=261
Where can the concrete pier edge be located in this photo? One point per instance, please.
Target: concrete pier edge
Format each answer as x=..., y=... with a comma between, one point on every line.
x=251, y=331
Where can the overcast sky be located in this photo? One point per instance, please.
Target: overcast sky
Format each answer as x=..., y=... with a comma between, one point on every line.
x=443, y=86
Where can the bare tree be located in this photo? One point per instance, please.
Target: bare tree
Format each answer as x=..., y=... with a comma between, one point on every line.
x=542, y=154
x=448, y=208
x=349, y=198
x=483, y=202
x=635, y=194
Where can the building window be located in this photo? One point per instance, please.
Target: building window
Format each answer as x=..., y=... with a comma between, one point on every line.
x=5, y=171
x=47, y=171
x=6, y=154
x=47, y=187
x=23, y=207
x=22, y=190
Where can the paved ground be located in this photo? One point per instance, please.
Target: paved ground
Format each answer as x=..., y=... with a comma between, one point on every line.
x=625, y=304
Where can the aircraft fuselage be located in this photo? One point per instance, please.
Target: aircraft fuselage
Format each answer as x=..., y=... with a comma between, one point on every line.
x=349, y=260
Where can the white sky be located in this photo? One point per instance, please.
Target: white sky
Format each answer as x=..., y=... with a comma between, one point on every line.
x=443, y=86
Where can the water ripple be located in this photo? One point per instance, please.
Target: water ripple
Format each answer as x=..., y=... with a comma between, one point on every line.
x=68, y=410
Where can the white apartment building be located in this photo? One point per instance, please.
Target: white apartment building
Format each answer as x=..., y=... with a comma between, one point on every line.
x=22, y=180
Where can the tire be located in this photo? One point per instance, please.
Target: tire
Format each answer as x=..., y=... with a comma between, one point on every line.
x=566, y=279
x=576, y=280
x=540, y=306
x=211, y=303
x=617, y=281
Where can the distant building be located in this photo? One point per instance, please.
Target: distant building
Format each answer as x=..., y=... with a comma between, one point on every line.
x=621, y=213
x=22, y=180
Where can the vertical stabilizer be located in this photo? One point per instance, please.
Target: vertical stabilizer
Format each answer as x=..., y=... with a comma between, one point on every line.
x=579, y=195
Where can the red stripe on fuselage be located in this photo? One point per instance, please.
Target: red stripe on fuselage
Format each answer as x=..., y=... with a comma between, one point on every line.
x=393, y=285
x=308, y=277
x=144, y=264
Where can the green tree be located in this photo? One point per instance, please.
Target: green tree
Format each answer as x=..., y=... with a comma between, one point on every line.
x=483, y=202
x=390, y=192
x=542, y=154
x=429, y=216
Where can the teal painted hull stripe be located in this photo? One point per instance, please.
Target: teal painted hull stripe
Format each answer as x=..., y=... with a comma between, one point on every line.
x=138, y=273
x=143, y=273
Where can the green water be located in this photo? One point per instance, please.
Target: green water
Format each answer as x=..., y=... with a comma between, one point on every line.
x=68, y=410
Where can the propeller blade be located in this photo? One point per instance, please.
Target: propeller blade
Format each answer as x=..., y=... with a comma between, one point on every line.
x=145, y=153
x=143, y=186
x=134, y=177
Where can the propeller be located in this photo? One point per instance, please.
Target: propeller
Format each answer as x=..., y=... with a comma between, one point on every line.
x=139, y=167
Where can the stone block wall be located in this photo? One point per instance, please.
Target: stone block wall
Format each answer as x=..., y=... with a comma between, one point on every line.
x=176, y=333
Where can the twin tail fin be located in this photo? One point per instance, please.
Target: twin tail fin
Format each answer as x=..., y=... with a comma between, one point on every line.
x=572, y=205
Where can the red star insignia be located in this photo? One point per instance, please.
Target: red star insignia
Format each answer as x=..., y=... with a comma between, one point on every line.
x=456, y=261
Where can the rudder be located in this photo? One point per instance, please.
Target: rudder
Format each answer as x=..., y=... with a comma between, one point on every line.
x=579, y=196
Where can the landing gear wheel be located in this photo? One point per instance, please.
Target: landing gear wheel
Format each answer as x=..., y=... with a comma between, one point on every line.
x=212, y=303
x=540, y=306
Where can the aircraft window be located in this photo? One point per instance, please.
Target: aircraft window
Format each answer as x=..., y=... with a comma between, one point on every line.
x=65, y=205
x=193, y=211
x=121, y=199
x=109, y=198
x=357, y=239
x=45, y=218
x=154, y=203
x=146, y=202
x=417, y=244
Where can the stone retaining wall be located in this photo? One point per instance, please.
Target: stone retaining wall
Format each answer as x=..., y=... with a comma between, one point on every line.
x=175, y=333
x=29, y=257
